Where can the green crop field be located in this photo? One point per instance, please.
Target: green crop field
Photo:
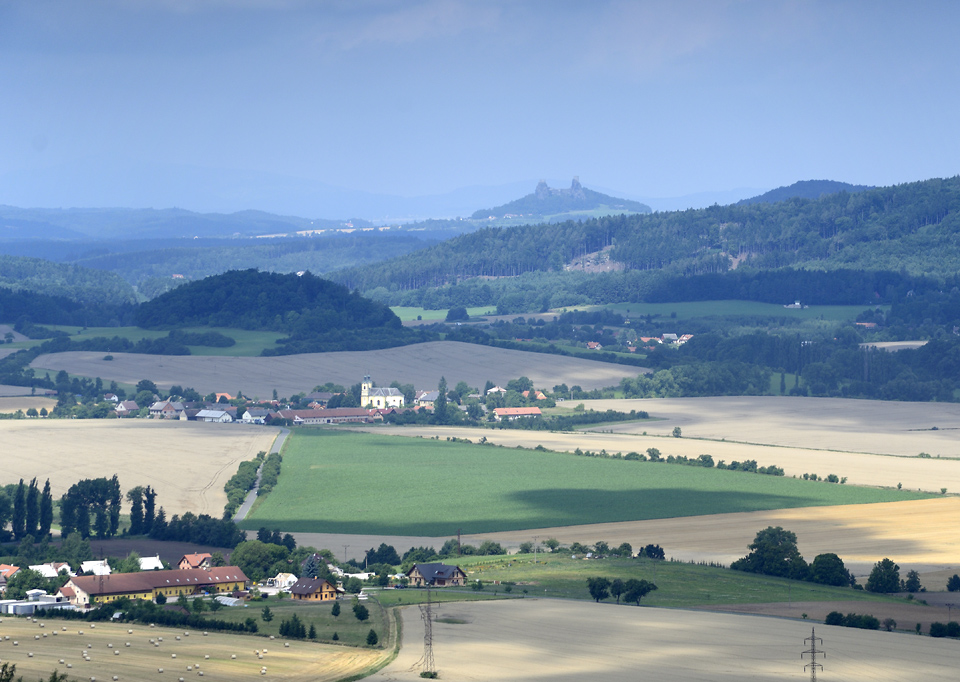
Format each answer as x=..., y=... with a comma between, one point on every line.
x=249, y=343
x=678, y=584
x=407, y=313
x=695, y=309
x=342, y=482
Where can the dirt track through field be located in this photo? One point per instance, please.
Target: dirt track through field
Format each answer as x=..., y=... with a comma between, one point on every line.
x=421, y=365
x=533, y=640
x=186, y=462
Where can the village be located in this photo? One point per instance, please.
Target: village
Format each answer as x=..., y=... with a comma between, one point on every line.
x=322, y=407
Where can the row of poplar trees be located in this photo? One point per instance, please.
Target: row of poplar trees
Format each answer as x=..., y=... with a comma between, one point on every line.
x=32, y=510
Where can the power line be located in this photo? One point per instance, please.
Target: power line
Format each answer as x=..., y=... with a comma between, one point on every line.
x=426, y=662
x=813, y=652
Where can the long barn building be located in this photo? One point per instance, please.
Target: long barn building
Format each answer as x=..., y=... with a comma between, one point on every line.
x=91, y=590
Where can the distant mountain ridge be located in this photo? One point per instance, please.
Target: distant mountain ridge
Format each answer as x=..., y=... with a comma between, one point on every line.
x=804, y=189
x=547, y=201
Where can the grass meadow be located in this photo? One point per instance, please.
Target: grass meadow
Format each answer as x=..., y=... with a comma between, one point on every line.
x=409, y=313
x=249, y=343
x=678, y=584
x=344, y=482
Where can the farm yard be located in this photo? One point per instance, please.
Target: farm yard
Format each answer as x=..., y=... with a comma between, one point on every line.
x=300, y=662
x=186, y=463
x=421, y=364
x=529, y=640
x=426, y=487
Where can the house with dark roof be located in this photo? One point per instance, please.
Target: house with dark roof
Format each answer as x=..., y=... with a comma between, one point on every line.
x=127, y=408
x=313, y=589
x=436, y=575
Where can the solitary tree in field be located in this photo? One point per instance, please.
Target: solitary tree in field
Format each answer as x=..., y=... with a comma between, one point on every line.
x=884, y=578
x=266, y=614
x=335, y=611
x=953, y=584
x=599, y=588
x=635, y=590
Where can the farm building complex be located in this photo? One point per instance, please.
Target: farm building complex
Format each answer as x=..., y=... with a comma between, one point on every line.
x=87, y=590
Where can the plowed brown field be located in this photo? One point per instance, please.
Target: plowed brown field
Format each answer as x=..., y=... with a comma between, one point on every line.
x=421, y=364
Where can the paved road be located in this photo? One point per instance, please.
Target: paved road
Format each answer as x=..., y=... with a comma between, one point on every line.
x=252, y=495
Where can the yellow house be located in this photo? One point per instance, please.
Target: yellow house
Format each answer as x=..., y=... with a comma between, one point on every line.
x=90, y=590
x=313, y=589
x=379, y=398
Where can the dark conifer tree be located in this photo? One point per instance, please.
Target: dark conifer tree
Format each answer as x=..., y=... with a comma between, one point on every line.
x=19, y=511
x=32, y=522
x=46, y=510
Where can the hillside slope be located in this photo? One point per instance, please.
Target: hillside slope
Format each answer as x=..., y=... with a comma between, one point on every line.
x=546, y=201
x=914, y=226
x=805, y=189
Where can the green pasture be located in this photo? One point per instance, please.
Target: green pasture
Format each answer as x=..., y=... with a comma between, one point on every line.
x=697, y=309
x=678, y=584
x=343, y=482
x=350, y=631
x=409, y=313
x=249, y=343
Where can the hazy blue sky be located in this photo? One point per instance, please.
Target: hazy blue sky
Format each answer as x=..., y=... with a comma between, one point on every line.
x=423, y=97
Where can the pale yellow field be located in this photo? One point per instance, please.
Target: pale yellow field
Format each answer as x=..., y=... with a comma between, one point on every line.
x=11, y=405
x=186, y=462
x=873, y=426
x=862, y=469
x=917, y=534
x=301, y=662
x=421, y=364
x=533, y=640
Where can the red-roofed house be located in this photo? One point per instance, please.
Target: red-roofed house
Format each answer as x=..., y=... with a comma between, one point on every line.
x=511, y=413
x=194, y=561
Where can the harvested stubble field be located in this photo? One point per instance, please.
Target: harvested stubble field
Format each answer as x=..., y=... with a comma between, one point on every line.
x=919, y=534
x=838, y=424
x=531, y=640
x=301, y=662
x=420, y=364
x=426, y=487
x=11, y=405
x=186, y=462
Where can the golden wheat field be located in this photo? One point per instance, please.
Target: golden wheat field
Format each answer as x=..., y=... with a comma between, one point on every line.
x=187, y=657
x=186, y=462
x=531, y=640
x=421, y=364
x=12, y=404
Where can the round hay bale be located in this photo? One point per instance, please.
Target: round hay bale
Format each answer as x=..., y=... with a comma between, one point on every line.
x=178, y=638
x=159, y=670
x=69, y=665
x=92, y=625
x=206, y=657
x=61, y=661
x=116, y=652
x=173, y=655
x=129, y=632
x=233, y=656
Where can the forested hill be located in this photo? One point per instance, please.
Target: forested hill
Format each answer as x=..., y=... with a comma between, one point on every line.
x=546, y=201
x=83, y=285
x=913, y=227
x=264, y=300
x=805, y=189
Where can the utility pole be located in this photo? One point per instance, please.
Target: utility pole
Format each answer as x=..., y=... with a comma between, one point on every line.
x=459, y=530
x=812, y=652
x=535, y=538
x=426, y=661
x=345, y=553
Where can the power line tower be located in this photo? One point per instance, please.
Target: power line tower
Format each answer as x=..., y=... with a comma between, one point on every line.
x=426, y=661
x=813, y=652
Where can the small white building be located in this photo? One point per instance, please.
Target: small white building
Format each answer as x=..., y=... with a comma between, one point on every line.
x=282, y=580
x=151, y=563
x=52, y=569
x=218, y=416
x=95, y=568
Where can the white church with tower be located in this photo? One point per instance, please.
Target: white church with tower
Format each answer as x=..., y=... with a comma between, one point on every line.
x=379, y=398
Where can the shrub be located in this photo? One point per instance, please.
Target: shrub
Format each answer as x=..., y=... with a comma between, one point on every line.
x=372, y=638
x=834, y=618
x=938, y=630
x=360, y=611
